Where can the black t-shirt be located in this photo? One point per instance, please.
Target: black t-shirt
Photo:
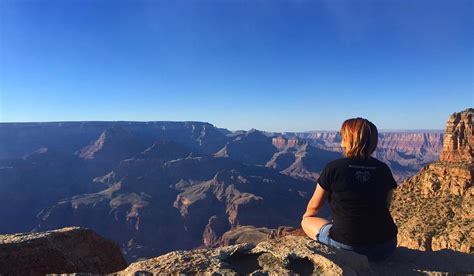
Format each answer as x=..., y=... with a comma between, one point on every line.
x=358, y=191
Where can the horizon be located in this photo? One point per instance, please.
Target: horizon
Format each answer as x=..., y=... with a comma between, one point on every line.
x=223, y=127
x=276, y=66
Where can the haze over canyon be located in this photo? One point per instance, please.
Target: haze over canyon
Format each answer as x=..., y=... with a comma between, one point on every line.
x=154, y=187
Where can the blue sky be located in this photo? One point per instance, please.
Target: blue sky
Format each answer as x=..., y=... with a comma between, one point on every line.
x=270, y=65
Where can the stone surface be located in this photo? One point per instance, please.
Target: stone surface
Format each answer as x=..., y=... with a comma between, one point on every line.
x=254, y=235
x=293, y=253
x=289, y=254
x=459, y=138
x=245, y=234
x=65, y=250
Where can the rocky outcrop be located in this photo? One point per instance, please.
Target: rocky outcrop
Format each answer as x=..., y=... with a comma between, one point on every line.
x=214, y=229
x=290, y=253
x=254, y=235
x=246, y=234
x=279, y=141
x=66, y=250
x=459, y=137
x=433, y=209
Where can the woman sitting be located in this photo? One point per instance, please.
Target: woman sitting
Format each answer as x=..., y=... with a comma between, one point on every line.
x=359, y=189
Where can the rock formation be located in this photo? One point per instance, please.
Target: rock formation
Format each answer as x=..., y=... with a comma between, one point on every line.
x=246, y=234
x=286, y=251
x=309, y=162
x=66, y=250
x=434, y=209
x=459, y=138
x=253, y=147
x=291, y=252
x=254, y=235
x=282, y=142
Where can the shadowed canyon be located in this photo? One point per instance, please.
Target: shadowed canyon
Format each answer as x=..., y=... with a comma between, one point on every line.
x=157, y=187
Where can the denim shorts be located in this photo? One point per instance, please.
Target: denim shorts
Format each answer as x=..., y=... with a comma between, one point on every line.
x=376, y=253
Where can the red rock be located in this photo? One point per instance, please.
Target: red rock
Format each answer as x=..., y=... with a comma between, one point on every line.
x=459, y=138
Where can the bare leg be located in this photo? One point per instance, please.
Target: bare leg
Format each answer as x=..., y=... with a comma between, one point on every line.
x=311, y=225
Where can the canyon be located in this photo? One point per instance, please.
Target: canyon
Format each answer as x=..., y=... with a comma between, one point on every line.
x=155, y=201
x=154, y=187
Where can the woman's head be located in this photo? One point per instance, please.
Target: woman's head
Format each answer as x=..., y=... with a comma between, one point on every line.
x=359, y=138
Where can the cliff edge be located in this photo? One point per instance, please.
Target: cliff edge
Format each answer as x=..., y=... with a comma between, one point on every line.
x=66, y=250
x=296, y=253
x=434, y=208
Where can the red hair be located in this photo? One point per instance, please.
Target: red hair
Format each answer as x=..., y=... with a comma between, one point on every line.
x=359, y=137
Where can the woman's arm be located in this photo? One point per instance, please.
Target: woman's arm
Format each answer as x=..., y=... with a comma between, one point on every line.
x=316, y=202
x=389, y=198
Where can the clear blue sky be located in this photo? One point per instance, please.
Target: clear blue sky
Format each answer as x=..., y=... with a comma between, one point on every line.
x=270, y=65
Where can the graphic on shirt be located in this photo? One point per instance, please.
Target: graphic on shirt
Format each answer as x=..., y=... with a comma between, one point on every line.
x=362, y=167
x=362, y=176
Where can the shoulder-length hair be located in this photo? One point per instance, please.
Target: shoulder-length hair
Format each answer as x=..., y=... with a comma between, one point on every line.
x=359, y=137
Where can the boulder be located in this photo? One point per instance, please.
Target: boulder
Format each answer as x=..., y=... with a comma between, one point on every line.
x=66, y=250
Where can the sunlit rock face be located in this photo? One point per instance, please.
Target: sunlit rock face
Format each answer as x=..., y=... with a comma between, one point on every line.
x=434, y=208
x=282, y=142
x=459, y=137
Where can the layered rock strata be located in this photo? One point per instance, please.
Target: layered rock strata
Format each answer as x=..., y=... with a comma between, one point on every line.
x=434, y=209
x=459, y=138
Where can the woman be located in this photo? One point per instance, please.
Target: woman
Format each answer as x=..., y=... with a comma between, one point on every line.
x=359, y=189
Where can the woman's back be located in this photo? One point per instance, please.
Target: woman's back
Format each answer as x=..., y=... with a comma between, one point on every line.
x=358, y=188
x=358, y=191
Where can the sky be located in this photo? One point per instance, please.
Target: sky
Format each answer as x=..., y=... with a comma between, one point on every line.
x=238, y=64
